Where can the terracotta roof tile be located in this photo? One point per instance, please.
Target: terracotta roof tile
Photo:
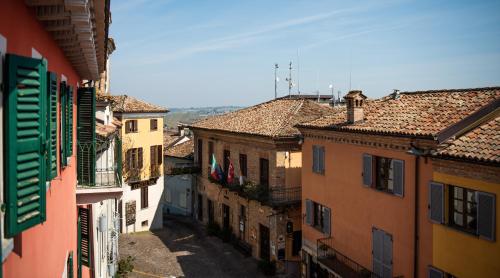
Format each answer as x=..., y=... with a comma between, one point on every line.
x=276, y=118
x=124, y=103
x=182, y=150
x=422, y=113
x=481, y=143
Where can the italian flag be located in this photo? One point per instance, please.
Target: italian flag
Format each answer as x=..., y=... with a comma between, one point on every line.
x=213, y=171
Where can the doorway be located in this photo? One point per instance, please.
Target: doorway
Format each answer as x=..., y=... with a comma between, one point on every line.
x=200, y=207
x=225, y=217
x=264, y=242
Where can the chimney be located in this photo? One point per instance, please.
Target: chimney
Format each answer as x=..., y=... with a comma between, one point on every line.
x=355, y=101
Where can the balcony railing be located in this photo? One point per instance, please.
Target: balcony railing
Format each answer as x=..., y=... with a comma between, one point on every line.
x=271, y=195
x=182, y=169
x=339, y=263
x=99, y=163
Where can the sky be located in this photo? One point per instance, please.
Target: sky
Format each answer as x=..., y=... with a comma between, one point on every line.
x=195, y=53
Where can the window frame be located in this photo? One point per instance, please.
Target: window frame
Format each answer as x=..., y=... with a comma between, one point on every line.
x=144, y=197
x=243, y=161
x=386, y=163
x=153, y=124
x=131, y=126
x=452, y=210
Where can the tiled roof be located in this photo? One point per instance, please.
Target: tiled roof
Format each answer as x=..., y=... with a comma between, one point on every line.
x=169, y=138
x=481, y=144
x=124, y=103
x=422, y=113
x=182, y=150
x=104, y=130
x=276, y=118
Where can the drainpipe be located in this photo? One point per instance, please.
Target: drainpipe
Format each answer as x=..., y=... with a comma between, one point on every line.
x=417, y=152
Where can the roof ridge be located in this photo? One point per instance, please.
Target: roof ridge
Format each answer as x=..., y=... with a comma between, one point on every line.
x=451, y=90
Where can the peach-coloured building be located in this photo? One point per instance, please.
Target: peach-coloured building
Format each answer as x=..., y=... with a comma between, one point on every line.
x=366, y=172
x=44, y=59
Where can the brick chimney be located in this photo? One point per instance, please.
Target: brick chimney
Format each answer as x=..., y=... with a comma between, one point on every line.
x=355, y=101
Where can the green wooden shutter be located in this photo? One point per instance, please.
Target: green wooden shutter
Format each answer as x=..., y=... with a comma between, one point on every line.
x=79, y=247
x=86, y=154
x=69, y=264
x=52, y=125
x=62, y=132
x=25, y=144
x=118, y=159
x=69, y=129
x=85, y=243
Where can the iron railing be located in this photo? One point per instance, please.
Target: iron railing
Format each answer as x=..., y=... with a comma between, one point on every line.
x=99, y=163
x=285, y=195
x=339, y=263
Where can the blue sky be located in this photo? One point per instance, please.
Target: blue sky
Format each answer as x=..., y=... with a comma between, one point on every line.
x=186, y=53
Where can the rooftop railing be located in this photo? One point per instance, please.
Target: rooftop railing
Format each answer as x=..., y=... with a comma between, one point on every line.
x=339, y=263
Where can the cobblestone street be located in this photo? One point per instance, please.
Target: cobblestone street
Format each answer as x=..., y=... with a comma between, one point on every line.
x=182, y=249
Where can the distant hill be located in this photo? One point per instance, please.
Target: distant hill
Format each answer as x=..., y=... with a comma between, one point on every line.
x=192, y=114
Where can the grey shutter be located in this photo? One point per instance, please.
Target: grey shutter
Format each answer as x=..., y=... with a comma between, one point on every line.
x=309, y=211
x=386, y=255
x=436, y=202
x=367, y=170
x=315, y=159
x=377, y=251
x=486, y=215
x=398, y=176
x=327, y=218
x=435, y=273
x=321, y=158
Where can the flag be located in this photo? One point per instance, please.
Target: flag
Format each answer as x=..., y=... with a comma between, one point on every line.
x=230, y=173
x=220, y=174
x=213, y=171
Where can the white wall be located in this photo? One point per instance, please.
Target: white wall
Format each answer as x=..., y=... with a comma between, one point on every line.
x=178, y=194
x=102, y=242
x=153, y=213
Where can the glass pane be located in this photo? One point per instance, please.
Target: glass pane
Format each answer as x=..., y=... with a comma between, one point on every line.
x=459, y=193
x=471, y=196
x=471, y=208
x=458, y=219
x=471, y=222
x=458, y=205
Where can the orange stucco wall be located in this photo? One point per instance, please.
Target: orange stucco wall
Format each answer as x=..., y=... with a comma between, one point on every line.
x=42, y=250
x=356, y=209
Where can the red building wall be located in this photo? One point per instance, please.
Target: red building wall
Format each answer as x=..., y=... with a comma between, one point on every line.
x=42, y=250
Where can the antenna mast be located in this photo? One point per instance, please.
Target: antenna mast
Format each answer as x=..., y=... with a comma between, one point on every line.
x=275, y=81
x=298, y=72
x=289, y=79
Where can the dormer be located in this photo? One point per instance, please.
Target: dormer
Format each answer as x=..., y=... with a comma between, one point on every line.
x=355, y=101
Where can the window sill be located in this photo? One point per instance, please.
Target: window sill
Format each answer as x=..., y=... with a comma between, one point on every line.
x=319, y=173
x=384, y=191
x=461, y=230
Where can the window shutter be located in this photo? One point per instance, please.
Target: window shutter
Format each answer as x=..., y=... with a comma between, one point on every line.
x=436, y=202
x=367, y=170
x=398, y=176
x=321, y=151
x=119, y=159
x=85, y=243
x=128, y=157
x=86, y=148
x=309, y=212
x=387, y=255
x=25, y=144
x=69, y=264
x=327, y=218
x=435, y=273
x=52, y=125
x=140, y=158
x=160, y=154
x=69, y=129
x=315, y=159
x=62, y=132
x=377, y=251
x=486, y=215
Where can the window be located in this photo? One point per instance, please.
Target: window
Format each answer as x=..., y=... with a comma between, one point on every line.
x=227, y=157
x=52, y=100
x=144, y=197
x=134, y=159
x=199, y=147
x=131, y=126
x=463, y=208
x=264, y=172
x=66, y=134
x=156, y=154
x=384, y=174
x=153, y=124
x=210, y=155
x=319, y=159
x=243, y=164
x=144, y=223
x=469, y=210
x=318, y=216
x=84, y=236
x=86, y=135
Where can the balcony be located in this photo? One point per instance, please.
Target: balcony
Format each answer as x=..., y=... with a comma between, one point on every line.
x=181, y=169
x=339, y=263
x=270, y=195
x=99, y=163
